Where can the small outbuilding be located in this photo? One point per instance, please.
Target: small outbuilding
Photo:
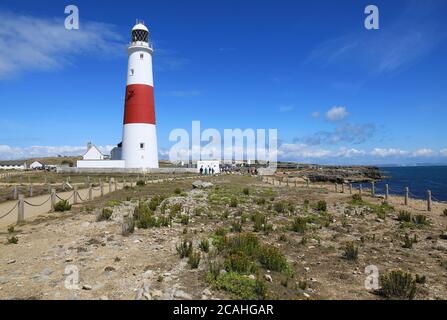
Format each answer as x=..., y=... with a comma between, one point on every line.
x=36, y=165
x=13, y=165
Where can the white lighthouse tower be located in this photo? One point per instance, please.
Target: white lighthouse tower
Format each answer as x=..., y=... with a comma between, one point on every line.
x=139, y=146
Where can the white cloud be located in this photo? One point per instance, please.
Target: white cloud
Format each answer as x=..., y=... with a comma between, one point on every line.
x=336, y=114
x=422, y=153
x=391, y=152
x=315, y=114
x=443, y=152
x=32, y=43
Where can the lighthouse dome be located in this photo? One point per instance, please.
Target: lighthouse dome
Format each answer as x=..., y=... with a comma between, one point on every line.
x=140, y=33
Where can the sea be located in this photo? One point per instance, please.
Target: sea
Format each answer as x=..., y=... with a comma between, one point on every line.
x=418, y=179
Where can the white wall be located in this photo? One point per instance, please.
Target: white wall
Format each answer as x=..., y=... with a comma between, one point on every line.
x=100, y=164
x=133, y=135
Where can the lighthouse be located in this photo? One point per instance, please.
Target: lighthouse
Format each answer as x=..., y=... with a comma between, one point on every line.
x=139, y=144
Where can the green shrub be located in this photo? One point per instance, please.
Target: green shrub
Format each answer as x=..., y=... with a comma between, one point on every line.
x=164, y=221
x=420, y=220
x=444, y=213
x=260, y=201
x=184, y=249
x=245, y=243
x=155, y=202
x=13, y=240
x=221, y=232
x=321, y=206
x=105, y=214
x=356, y=199
x=259, y=221
x=176, y=208
x=351, y=252
x=283, y=238
x=233, y=202
x=178, y=191
x=280, y=206
x=299, y=225
x=128, y=226
x=240, y=286
x=141, y=210
x=10, y=229
x=239, y=263
x=140, y=183
x=398, y=285
x=246, y=191
x=204, y=245
x=408, y=242
x=272, y=258
x=404, y=216
x=236, y=226
x=194, y=260
x=112, y=203
x=62, y=206
x=184, y=219
x=146, y=220
x=420, y=279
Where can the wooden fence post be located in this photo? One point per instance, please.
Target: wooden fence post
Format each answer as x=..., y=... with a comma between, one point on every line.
x=53, y=199
x=336, y=187
x=407, y=191
x=31, y=190
x=21, y=209
x=429, y=200
x=360, y=189
x=75, y=195
x=342, y=188
x=101, y=186
x=387, y=191
x=90, y=192
x=350, y=188
x=110, y=185
x=373, y=189
x=14, y=193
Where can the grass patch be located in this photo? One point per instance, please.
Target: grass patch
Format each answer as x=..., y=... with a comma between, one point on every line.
x=351, y=252
x=240, y=286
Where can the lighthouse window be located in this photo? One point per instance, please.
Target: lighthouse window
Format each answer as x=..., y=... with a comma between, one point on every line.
x=131, y=72
x=141, y=56
x=141, y=145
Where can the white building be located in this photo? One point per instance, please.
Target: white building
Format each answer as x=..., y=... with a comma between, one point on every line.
x=94, y=158
x=93, y=153
x=36, y=165
x=13, y=165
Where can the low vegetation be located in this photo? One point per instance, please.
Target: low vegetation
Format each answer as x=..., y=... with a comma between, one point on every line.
x=62, y=206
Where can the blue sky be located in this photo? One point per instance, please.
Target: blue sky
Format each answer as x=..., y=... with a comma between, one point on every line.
x=336, y=92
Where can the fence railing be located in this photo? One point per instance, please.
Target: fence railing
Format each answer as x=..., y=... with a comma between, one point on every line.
x=113, y=185
x=340, y=187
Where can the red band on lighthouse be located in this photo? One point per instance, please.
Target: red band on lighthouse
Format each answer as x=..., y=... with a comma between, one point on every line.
x=139, y=104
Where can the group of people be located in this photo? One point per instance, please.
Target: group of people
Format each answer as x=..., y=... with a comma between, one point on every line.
x=207, y=171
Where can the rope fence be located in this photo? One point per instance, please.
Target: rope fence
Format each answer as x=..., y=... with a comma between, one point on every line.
x=7, y=213
x=113, y=185
x=38, y=205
